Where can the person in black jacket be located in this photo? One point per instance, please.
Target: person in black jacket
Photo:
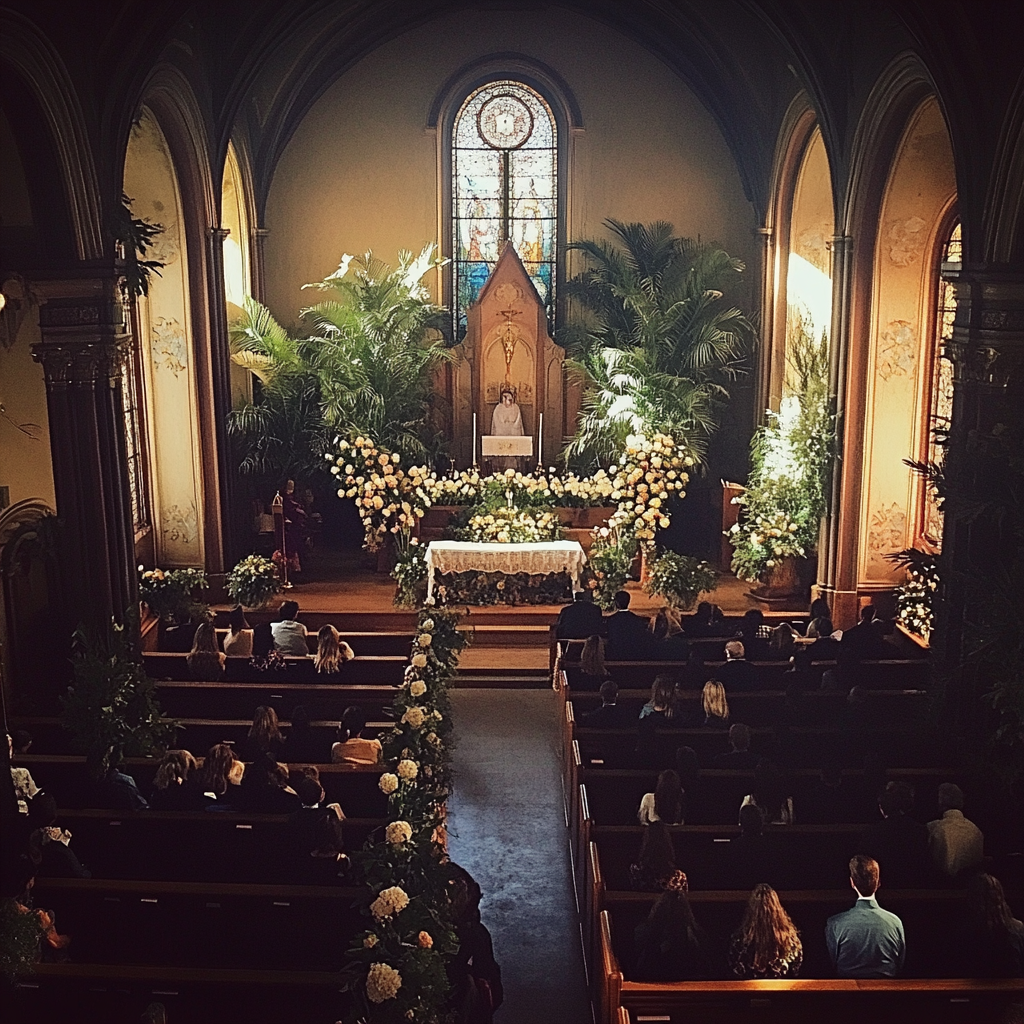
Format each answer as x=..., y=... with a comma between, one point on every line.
x=737, y=674
x=898, y=842
x=629, y=639
x=670, y=944
x=610, y=715
x=49, y=846
x=579, y=620
x=301, y=745
x=739, y=756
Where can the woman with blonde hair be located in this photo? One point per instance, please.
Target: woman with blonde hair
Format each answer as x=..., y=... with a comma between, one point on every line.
x=174, y=783
x=220, y=774
x=767, y=944
x=206, y=659
x=264, y=734
x=715, y=705
x=331, y=651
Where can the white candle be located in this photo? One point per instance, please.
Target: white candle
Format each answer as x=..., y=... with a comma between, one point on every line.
x=473, y=461
x=540, y=439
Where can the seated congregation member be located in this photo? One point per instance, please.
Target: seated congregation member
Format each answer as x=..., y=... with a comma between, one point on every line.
x=865, y=640
x=669, y=642
x=956, y=843
x=331, y=651
x=302, y=745
x=579, y=620
x=767, y=944
x=993, y=939
x=206, y=660
x=611, y=714
x=49, y=847
x=351, y=747
x=655, y=869
x=670, y=945
x=782, y=645
x=714, y=705
x=238, y=642
x=755, y=634
x=694, y=674
x=752, y=856
x=706, y=621
x=474, y=976
x=289, y=633
x=16, y=883
x=265, y=788
x=688, y=770
x=897, y=841
x=219, y=778
x=739, y=756
x=317, y=844
x=266, y=658
x=21, y=742
x=830, y=800
x=628, y=636
x=652, y=749
x=665, y=803
x=174, y=785
x=25, y=788
x=769, y=795
x=865, y=941
x=826, y=645
x=264, y=734
x=737, y=674
x=660, y=704
x=116, y=789
x=592, y=672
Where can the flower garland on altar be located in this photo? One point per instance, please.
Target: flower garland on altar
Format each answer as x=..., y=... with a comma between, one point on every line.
x=512, y=526
x=398, y=963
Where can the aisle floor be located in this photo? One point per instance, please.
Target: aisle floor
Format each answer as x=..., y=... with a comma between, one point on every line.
x=508, y=830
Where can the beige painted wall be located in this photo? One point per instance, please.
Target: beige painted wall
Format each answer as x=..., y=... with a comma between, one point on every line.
x=812, y=224
x=362, y=169
x=25, y=464
x=920, y=189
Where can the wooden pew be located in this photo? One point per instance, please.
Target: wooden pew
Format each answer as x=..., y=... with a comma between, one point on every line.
x=239, y=700
x=79, y=991
x=374, y=669
x=798, y=1001
x=394, y=642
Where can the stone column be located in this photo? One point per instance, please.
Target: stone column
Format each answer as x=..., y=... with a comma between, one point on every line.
x=838, y=548
x=258, y=261
x=85, y=337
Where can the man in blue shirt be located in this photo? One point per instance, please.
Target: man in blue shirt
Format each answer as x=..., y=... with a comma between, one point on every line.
x=865, y=941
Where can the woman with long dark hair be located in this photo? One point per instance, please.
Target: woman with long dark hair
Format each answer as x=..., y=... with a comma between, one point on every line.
x=656, y=869
x=767, y=944
x=666, y=803
x=206, y=660
x=995, y=938
x=238, y=642
x=670, y=944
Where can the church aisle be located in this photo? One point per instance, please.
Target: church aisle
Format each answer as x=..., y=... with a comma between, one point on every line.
x=508, y=830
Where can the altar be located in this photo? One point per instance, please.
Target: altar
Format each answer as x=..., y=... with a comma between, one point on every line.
x=541, y=558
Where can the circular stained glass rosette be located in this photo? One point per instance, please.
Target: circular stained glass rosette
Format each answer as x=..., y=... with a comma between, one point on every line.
x=505, y=122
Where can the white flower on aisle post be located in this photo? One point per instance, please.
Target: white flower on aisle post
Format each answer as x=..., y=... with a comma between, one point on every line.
x=418, y=688
x=382, y=983
x=396, y=833
x=388, y=783
x=391, y=901
x=419, y=660
x=414, y=717
x=407, y=771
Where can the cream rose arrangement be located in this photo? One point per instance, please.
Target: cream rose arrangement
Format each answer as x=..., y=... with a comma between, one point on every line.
x=407, y=771
x=419, y=660
x=417, y=688
x=391, y=901
x=396, y=833
x=414, y=717
x=388, y=783
x=382, y=983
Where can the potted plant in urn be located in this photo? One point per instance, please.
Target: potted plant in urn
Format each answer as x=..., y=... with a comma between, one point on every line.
x=679, y=579
x=253, y=581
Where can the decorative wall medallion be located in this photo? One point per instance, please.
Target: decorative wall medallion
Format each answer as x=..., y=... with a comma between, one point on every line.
x=169, y=349
x=897, y=350
x=906, y=240
x=507, y=296
x=180, y=524
x=887, y=533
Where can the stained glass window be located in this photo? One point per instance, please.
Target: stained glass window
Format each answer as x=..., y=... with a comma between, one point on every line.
x=940, y=406
x=504, y=189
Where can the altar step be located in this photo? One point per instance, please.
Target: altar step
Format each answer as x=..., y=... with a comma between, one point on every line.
x=508, y=677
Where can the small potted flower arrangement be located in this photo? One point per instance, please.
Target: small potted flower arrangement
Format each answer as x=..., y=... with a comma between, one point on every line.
x=168, y=592
x=679, y=579
x=253, y=581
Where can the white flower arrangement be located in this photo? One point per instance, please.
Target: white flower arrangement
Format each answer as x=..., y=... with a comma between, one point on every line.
x=388, y=783
x=396, y=833
x=390, y=901
x=424, y=640
x=513, y=526
x=407, y=771
x=414, y=717
x=382, y=983
x=419, y=660
x=417, y=688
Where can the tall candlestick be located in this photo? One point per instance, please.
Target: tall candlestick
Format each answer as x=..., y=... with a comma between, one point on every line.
x=473, y=463
x=540, y=439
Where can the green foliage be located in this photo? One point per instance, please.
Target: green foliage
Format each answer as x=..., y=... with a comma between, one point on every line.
x=410, y=571
x=253, y=581
x=680, y=579
x=168, y=592
x=111, y=708
x=917, y=597
x=654, y=342
x=20, y=937
x=135, y=235
x=791, y=460
x=608, y=566
x=365, y=369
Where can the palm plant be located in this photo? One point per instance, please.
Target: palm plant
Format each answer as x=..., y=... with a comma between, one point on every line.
x=654, y=343
x=376, y=346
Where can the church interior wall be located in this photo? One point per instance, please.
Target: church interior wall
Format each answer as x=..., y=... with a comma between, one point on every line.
x=362, y=170
x=920, y=188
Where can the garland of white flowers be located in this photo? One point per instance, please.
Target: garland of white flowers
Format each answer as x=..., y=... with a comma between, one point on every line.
x=398, y=970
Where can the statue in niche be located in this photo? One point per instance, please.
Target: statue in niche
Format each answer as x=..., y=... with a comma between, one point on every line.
x=506, y=421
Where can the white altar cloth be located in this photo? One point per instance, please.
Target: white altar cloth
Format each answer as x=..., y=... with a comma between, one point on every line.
x=536, y=559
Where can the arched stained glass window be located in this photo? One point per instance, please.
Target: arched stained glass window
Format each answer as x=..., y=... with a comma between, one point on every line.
x=940, y=403
x=504, y=189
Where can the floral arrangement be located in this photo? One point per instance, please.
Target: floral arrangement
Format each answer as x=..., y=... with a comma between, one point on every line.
x=916, y=598
x=410, y=571
x=680, y=579
x=608, y=567
x=512, y=526
x=650, y=472
x=485, y=588
x=253, y=581
x=388, y=498
x=768, y=533
x=398, y=964
x=168, y=592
